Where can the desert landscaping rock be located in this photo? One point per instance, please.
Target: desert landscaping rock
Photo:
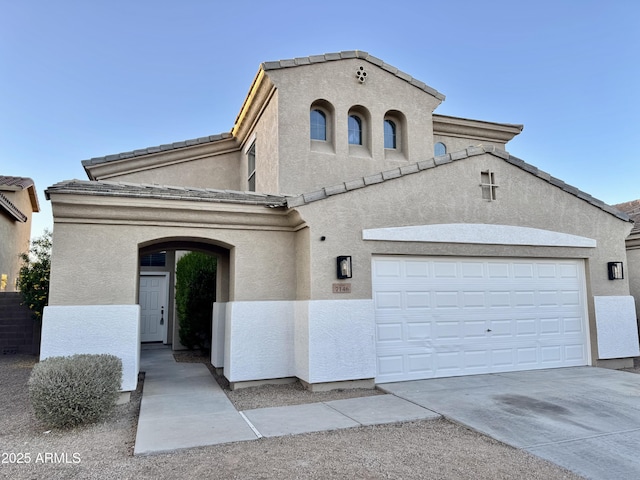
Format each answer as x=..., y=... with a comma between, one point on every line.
x=434, y=449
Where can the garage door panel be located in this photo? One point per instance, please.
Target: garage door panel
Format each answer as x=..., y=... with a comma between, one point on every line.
x=418, y=331
x=523, y=270
x=417, y=299
x=445, y=317
x=575, y=353
x=472, y=270
x=445, y=270
x=388, y=300
x=573, y=325
x=390, y=366
x=419, y=364
x=417, y=269
x=389, y=332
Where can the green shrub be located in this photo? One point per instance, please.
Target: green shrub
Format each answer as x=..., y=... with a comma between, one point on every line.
x=35, y=271
x=195, y=294
x=68, y=391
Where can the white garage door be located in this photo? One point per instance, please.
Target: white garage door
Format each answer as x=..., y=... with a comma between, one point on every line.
x=449, y=316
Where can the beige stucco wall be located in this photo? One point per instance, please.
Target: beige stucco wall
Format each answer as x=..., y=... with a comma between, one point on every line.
x=265, y=135
x=14, y=237
x=632, y=272
x=304, y=169
x=219, y=172
x=451, y=194
x=95, y=254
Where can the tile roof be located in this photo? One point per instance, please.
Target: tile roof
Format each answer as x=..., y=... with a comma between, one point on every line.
x=18, y=182
x=139, y=190
x=8, y=183
x=125, y=189
x=632, y=209
x=330, y=57
x=409, y=169
x=160, y=148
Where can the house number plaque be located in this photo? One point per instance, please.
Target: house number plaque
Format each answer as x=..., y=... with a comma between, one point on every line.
x=341, y=288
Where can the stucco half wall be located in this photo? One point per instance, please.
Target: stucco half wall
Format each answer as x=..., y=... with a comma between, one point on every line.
x=317, y=341
x=95, y=329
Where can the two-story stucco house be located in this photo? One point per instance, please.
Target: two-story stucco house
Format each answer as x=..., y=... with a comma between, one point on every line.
x=18, y=202
x=361, y=238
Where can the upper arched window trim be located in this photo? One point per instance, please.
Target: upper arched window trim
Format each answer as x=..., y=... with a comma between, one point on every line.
x=439, y=149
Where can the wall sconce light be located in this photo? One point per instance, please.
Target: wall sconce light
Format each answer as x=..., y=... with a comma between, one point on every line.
x=344, y=267
x=615, y=270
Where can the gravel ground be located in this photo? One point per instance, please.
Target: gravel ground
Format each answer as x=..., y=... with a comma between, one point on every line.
x=435, y=449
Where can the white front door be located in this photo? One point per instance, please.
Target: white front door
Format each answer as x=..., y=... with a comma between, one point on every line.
x=449, y=316
x=153, y=307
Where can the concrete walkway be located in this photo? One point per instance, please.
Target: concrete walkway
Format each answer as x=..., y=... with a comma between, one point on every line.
x=585, y=419
x=183, y=407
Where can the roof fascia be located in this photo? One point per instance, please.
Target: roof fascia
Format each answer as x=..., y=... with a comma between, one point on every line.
x=70, y=207
x=132, y=164
x=475, y=129
x=260, y=93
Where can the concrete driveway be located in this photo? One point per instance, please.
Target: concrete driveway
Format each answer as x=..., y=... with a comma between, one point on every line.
x=586, y=419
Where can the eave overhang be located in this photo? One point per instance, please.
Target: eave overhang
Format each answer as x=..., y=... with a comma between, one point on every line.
x=475, y=129
x=110, y=166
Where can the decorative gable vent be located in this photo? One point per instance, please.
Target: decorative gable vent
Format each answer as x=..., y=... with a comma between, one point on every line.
x=361, y=74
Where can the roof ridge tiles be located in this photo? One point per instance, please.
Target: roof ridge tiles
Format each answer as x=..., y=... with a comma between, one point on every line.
x=128, y=189
x=157, y=149
x=348, y=54
x=435, y=162
x=20, y=182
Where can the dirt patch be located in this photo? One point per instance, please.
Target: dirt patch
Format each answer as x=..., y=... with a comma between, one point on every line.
x=414, y=450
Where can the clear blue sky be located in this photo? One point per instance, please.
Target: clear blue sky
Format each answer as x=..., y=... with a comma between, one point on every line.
x=80, y=79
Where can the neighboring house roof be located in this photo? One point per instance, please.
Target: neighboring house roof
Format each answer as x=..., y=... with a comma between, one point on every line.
x=139, y=190
x=330, y=57
x=442, y=160
x=632, y=209
x=13, y=184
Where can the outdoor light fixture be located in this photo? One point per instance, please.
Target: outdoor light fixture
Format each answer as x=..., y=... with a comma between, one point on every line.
x=615, y=270
x=344, y=267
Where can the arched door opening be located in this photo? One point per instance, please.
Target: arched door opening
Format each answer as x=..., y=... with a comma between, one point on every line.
x=158, y=260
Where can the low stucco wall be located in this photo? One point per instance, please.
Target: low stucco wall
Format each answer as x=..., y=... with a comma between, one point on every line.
x=617, y=327
x=316, y=341
x=95, y=329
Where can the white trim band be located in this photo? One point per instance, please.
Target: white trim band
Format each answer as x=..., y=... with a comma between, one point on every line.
x=478, y=233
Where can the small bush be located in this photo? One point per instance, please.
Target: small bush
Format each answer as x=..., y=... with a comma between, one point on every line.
x=68, y=391
x=195, y=294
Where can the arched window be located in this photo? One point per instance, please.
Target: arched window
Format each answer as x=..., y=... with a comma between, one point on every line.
x=355, y=130
x=390, y=134
x=439, y=149
x=318, y=125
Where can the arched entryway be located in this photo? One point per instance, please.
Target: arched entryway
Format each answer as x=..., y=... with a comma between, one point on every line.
x=157, y=261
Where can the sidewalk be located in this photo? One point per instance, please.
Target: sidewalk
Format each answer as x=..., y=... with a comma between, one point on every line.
x=184, y=407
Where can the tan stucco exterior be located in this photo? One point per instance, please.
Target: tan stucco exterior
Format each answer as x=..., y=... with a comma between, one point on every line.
x=18, y=203
x=324, y=195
